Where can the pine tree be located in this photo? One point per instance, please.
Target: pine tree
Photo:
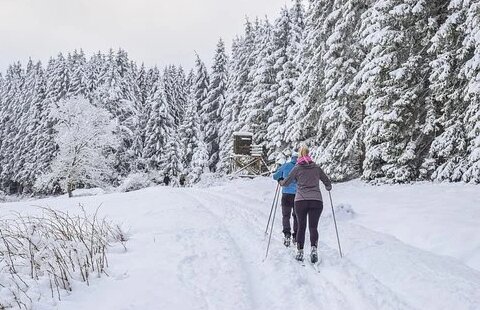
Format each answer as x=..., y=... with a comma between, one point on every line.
x=255, y=113
x=27, y=162
x=340, y=150
x=159, y=127
x=116, y=92
x=242, y=85
x=293, y=69
x=309, y=85
x=200, y=84
x=9, y=119
x=394, y=88
x=141, y=97
x=229, y=111
x=40, y=132
x=445, y=105
x=77, y=65
x=286, y=42
x=213, y=104
x=172, y=87
x=194, y=159
x=470, y=71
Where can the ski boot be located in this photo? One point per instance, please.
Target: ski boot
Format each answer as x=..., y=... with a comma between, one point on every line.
x=314, y=255
x=286, y=240
x=294, y=240
x=299, y=255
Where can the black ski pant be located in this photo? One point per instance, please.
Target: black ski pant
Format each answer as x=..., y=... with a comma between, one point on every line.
x=312, y=209
x=288, y=204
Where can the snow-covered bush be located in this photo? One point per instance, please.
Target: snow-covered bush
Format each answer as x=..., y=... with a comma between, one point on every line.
x=41, y=256
x=212, y=179
x=82, y=192
x=135, y=181
x=155, y=176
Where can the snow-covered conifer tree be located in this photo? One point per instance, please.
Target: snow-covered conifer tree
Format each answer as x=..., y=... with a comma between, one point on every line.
x=339, y=142
x=159, y=127
x=77, y=66
x=396, y=35
x=213, y=104
x=471, y=72
x=229, y=111
x=193, y=151
x=285, y=47
x=116, y=92
x=254, y=112
x=446, y=106
x=309, y=85
x=12, y=108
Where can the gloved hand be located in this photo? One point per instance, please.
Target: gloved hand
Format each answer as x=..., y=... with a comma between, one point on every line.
x=329, y=188
x=280, y=179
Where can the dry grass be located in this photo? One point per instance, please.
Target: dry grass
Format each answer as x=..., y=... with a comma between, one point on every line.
x=51, y=250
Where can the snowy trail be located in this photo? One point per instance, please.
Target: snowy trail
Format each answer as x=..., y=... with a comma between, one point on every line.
x=340, y=285
x=203, y=248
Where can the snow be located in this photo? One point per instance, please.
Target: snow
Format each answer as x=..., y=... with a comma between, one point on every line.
x=135, y=181
x=88, y=192
x=405, y=247
x=242, y=133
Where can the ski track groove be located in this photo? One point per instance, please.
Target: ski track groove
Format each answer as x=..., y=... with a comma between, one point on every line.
x=364, y=285
x=240, y=259
x=303, y=277
x=247, y=219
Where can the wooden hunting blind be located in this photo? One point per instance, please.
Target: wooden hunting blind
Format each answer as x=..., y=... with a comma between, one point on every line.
x=247, y=159
x=242, y=141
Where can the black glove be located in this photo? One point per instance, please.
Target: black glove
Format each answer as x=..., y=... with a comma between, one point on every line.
x=280, y=179
x=329, y=188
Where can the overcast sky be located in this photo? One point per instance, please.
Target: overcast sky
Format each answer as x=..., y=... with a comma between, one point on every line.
x=153, y=31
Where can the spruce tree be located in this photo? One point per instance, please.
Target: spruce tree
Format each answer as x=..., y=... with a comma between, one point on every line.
x=392, y=74
x=446, y=105
x=340, y=147
x=229, y=111
x=254, y=113
x=213, y=104
x=159, y=127
x=194, y=153
x=470, y=71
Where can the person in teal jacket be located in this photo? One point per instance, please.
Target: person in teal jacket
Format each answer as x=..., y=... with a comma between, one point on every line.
x=288, y=198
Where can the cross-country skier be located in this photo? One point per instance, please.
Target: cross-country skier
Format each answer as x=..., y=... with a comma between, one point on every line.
x=288, y=197
x=308, y=200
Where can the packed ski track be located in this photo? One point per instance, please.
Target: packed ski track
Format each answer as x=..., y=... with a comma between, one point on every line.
x=204, y=248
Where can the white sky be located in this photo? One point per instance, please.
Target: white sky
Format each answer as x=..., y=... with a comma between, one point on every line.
x=153, y=31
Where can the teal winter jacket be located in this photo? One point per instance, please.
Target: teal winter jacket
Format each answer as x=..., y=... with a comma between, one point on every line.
x=283, y=173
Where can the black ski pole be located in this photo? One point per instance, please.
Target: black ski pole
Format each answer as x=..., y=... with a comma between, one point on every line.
x=335, y=221
x=271, y=229
x=271, y=209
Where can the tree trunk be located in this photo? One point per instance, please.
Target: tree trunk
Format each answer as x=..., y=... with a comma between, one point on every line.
x=69, y=190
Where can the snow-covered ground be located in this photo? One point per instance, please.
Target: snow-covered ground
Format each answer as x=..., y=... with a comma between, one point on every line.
x=406, y=247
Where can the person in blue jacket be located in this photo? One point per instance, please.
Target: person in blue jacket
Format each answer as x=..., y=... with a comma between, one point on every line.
x=288, y=199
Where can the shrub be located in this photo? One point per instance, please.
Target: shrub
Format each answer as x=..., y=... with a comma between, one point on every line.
x=135, y=181
x=46, y=253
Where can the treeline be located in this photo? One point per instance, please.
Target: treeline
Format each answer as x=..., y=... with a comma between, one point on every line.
x=385, y=90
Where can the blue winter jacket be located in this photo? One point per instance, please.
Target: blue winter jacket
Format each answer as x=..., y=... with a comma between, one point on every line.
x=283, y=172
